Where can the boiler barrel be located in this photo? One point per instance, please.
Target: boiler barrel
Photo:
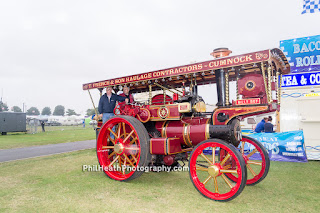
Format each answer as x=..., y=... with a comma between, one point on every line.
x=189, y=131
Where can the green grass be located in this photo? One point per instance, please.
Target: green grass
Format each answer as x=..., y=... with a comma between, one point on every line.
x=58, y=184
x=56, y=135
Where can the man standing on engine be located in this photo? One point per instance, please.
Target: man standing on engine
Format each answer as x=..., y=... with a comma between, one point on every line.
x=107, y=104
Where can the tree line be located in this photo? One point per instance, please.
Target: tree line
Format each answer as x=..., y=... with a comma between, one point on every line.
x=58, y=110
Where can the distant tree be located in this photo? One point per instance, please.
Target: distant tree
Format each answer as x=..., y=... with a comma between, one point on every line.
x=71, y=112
x=33, y=111
x=91, y=112
x=3, y=107
x=16, y=109
x=58, y=110
x=46, y=111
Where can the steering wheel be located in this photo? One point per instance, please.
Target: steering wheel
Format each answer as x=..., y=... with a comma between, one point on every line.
x=120, y=109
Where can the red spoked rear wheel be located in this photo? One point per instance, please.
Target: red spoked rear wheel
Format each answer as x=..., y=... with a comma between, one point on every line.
x=256, y=158
x=208, y=172
x=123, y=148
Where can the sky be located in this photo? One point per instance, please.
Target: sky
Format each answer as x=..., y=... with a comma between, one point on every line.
x=48, y=49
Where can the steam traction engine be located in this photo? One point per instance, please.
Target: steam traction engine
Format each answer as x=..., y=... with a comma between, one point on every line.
x=173, y=125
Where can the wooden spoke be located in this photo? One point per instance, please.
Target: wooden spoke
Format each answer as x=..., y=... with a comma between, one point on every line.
x=128, y=160
x=134, y=158
x=133, y=148
x=119, y=130
x=242, y=147
x=114, y=160
x=251, y=153
x=255, y=163
x=225, y=159
x=131, y=142
x=228, y=171
x=251, y=170
x=124, y=163
x=107, y=147
x=200, y=168
x=112, y=153
x=213, y=154
x=205, y=157
x=128, y=136
x=112, y=141
x=120, y=163
x=113, y=133
x=227, y=181
x=206, y=180
x=216, y=189
x=124, y=129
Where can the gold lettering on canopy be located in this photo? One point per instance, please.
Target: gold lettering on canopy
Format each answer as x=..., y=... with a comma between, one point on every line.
x=197, y=67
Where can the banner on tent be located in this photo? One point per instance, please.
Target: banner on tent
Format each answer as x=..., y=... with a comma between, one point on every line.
x=285, y=146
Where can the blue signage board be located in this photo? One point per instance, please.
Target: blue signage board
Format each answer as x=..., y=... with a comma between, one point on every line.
x=301, y=79
x=303, y=54
x=284, y=146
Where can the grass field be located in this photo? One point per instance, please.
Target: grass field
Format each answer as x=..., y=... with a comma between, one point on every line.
x=60, y=134
x=58, y=184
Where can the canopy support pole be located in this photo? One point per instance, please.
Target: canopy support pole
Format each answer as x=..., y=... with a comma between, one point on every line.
x=264, y=80
x=269, y=83
x=150, y=94
x=227, y=87
x=237, y=82
x=95, y=109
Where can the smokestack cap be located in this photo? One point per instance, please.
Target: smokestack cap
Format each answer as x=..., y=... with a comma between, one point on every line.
x=221, y=52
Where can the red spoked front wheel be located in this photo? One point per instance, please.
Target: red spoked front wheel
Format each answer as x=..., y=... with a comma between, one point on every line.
x=208, y=171
x=123, y=148
x=256, y=158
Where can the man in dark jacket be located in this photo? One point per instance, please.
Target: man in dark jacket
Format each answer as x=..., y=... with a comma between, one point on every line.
x=107, y=104
x=260, y=126
x=268, y=126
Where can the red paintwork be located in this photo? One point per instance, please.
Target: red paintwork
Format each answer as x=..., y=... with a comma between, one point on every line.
x=103, y=154
x=158, y=99
x=258, y=89
x=233, y=112
x=168, y=160
x=144, y=115
x=259, y=152
x=251, y=101
x=141, y=113
x=175, y=96
x=210, y=192
x=165, y=146
x=189, y=131
x=172, y=112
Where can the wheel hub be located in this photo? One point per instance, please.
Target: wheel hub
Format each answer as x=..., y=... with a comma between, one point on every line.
x=214, y=170
x=118, y=148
